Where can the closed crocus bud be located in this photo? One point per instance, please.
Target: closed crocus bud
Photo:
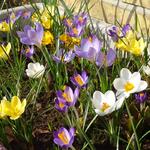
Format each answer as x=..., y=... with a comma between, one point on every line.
x=79, y=80
x=141, y=97
x=35, y=70
x=64, y=138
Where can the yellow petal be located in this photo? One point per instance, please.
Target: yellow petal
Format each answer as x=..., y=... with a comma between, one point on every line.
x=15, y=103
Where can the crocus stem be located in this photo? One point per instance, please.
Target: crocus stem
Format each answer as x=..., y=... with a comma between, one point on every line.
x=76, y=113
x=91, y=122
x=132, y=124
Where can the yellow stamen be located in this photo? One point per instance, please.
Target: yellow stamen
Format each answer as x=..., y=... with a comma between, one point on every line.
x=90, y=39
x=61, y=105
x=67, y=97
x=81, y=19
x=128, y=86
x=105, y=106
x=141, y=94
x=69, y=22
x=27, y=50
x=79, y=80
x=63, y=137
x=75, y=31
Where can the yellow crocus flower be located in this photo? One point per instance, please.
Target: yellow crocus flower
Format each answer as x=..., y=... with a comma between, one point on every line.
x=16, y=107
x=47, y=38
x=4, y=26
x=4, y=51
x=131, y=44
x=69, y=41
x=44, y=17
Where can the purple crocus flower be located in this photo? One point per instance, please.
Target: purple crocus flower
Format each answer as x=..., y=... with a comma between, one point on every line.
x=63, y=56
x=107, y=60
x=68, y=95
x=115, y=33
x=31, y=36
x=76, y=31
x=68, y=22
x=61, y=105
x=79, y=80
x=141, y=97
x=80, y=19
x=89, y=48
x=63, y=137
x=28, y=52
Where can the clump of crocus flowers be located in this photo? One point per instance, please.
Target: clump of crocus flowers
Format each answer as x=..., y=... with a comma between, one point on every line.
x=126, y=40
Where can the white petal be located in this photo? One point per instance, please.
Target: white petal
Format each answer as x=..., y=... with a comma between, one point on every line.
x=118, y=104
x=110, y=98
x=121, y=95
x=125, y=74
x=119, y=84
x=100, y=112
x=142, y=86
x=97, y=98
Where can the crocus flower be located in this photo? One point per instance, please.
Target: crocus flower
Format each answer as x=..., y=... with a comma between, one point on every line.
x=141, y=97
x=63, y=56
x=89, y=48
x=68, y=95
x=106, y=59
x=44, y=18
x=106, y=103
x=4, y=51
x=14, y=108
x=146, y=69
x=48, y=38
x=128, y=83
x=75, y=31
x=80, y=19
x=5, y=26
x=64, y=138
x=69, y=41
x=116, y=33
x=28, y=52
x=79, y=80
x=35, y=70
x=61, y=105
x=31, y=36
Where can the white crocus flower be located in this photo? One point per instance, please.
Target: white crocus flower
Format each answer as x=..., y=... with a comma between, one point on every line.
x=35, y=70
x=106, y=103
x=128, y=83
x=146, y=69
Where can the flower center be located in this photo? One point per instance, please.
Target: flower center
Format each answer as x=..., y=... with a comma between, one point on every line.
x=79, y=80
x=81, y=19
x=90, y=39
x=105, y=106
x=61, y=105
x=63, y=137
x=69, y=22
x=67, y=97
x=75, y=31
x=128, y=86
